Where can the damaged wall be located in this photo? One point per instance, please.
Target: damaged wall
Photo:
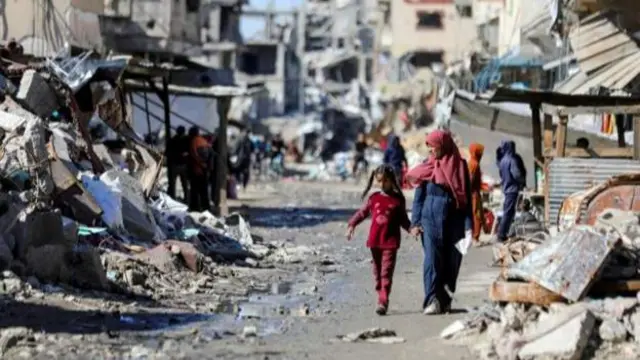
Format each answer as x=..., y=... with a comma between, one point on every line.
x=41, y=27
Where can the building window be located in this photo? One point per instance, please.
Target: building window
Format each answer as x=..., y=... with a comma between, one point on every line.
x=193, y=6
x=465, y=11
x=422, y=59
x=429, y=20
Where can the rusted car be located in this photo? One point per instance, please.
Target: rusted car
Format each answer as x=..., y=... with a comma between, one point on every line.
x=619, y=192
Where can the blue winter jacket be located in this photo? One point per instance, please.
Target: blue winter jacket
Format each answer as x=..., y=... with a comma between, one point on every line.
x=512, y=171
x=394, y=154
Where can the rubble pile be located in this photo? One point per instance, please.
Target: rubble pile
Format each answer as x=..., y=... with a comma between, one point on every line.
x=568, y=296
x=72, y=211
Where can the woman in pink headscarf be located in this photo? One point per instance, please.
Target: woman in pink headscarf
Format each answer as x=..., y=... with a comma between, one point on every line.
x=441, y=214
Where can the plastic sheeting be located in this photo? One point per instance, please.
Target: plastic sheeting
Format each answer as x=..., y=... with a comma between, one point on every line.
x=108, y=198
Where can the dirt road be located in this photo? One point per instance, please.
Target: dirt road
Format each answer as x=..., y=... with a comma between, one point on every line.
x=345, y=301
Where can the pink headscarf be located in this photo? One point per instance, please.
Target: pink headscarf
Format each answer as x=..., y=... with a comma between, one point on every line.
x=449, y=170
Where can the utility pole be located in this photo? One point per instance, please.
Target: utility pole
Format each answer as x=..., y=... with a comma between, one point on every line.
x=302, y=38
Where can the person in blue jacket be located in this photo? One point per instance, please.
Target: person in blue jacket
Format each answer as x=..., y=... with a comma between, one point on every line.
x=513, y=176
x=394, y=156
x=442, y=214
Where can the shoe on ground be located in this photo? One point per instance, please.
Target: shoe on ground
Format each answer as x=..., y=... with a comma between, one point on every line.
x=432, y=309
x=381, y=310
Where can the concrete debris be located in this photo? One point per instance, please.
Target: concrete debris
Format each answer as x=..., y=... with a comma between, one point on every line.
x=10, y=337
x=375, y=335
x=538, y=277
x=249, y=332
x=36, y=95
x=612, y=330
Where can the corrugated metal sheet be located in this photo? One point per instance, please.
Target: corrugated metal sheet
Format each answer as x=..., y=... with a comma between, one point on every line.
x=570, y=175
x=568, y=263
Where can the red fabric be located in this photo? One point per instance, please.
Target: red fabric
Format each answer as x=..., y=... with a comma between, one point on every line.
x=489, y=219
x=383, y=143
x=448, y=170
x=388, y=216
x=198, y=165
x=384, y=263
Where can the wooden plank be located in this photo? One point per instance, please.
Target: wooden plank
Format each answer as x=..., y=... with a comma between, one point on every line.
x=636, y=137
x=620, y=109
x=222, y=208
x=561, y=136
x=598, y=152
x=522, y=292
x=537, y=139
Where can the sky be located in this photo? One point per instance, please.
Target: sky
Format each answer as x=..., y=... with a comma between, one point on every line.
x=249, y=26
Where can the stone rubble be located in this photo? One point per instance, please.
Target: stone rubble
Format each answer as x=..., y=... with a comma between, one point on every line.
x=605, y=320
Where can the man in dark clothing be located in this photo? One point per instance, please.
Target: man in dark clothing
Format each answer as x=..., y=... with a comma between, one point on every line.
x=199, y=168
x=394, y=155
x=242, y=166
x=178, y=160
x=361, y=147
x=513, y=176
x=277, y=146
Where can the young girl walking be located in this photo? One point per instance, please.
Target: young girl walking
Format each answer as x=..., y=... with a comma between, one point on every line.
x=388, y=211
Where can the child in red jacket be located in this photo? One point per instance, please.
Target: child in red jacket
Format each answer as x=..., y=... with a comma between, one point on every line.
x=388, y=212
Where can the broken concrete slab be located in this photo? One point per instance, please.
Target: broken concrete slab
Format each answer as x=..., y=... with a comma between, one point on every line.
x=36, y=95
x=568, y=263
x=612, y=330
x=11, y=337
x=38, y=228
x=80, y=267
x=562, y=336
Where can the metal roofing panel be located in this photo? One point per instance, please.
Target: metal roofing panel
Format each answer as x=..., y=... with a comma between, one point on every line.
x=605, y=58
x=568, y=264
x=583, y=37
x=570, y=175
x=600, y=78
x=601, y=46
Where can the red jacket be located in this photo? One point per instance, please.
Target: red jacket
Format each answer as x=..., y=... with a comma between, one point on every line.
x=199, y=150
x=388, y=214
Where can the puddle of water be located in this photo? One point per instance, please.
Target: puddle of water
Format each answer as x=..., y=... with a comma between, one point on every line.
x=162, y=321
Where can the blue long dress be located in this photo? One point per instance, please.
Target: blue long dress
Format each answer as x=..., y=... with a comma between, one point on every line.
x=443, y=225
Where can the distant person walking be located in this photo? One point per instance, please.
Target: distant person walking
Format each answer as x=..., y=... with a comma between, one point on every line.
x=442, y=215
x=395, y=157
x=513, y=175
x=360, y=150
x=179, y=162
x=242, y=166
x=388, y=212
x=200, y=155
x=475, y=173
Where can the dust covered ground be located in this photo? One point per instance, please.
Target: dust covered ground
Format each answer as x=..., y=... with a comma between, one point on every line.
x=290, y=306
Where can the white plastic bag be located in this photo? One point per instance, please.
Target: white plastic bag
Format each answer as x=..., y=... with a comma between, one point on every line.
x=108, y=198
x=464, y=243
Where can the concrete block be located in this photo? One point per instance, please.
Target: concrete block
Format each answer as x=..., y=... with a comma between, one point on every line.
x=564, y=336
x=38, y=229
x=36, y=94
